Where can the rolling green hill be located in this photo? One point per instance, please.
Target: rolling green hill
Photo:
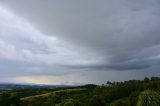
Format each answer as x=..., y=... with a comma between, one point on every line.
x=127, y=93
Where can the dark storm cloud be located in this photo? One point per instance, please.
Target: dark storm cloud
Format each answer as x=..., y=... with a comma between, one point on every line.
x=124, y=33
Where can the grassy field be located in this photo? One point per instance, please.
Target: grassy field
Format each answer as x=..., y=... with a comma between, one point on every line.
x=52, y=93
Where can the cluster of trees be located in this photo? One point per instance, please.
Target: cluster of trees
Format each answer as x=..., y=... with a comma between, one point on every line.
x=8, y=99
x=128, y=93
x=149, y=98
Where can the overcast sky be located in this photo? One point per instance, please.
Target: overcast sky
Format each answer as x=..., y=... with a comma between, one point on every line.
x=78, y=41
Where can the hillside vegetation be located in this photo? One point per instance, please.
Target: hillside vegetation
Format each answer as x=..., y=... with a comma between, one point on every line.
x=127, y=93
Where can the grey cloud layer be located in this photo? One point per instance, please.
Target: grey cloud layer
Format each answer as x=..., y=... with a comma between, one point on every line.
x=26, y=51
x=124, y=34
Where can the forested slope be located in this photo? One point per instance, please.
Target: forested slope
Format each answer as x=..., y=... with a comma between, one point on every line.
x=127, y=93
